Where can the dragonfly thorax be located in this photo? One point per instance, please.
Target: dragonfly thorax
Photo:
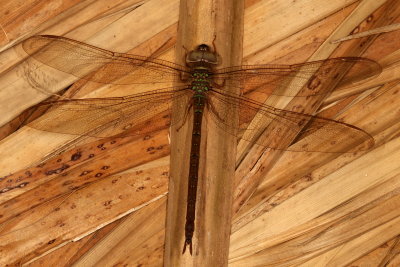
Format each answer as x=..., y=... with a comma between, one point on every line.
x=201, y=81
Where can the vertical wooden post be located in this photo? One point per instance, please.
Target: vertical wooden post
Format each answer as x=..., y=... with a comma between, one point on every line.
x=219, y=24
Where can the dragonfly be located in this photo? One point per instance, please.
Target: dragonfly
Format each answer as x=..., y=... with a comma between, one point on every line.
x=197, y=88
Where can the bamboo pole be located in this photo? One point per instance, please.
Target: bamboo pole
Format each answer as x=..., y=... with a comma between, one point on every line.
x=218, y=24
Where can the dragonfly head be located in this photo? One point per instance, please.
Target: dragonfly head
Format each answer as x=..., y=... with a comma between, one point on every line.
x=202, y=57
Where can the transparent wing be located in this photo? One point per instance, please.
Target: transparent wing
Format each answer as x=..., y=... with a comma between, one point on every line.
x=103, y=117
x=99, y=65
x=287, y=80
x=278, y=129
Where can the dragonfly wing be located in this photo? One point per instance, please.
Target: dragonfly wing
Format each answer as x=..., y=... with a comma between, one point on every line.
x=99, y=65
x=282, y=129
x=104, y=117
x=304, y=79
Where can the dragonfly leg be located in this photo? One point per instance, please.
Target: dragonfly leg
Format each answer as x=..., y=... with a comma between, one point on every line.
x=219, y=86
x=183, y=77
x=214, y=110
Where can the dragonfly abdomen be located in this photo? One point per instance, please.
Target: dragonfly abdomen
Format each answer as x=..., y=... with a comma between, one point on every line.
x=198, y=108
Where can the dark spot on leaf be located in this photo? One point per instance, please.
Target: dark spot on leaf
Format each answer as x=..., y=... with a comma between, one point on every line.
x=98, y=174
x=140, y=188
x=91, y=155
x=51, y=242
x=84, y=173
x=105, y=167
x=356, y=30
x=128, y=126
x=76, y=156
x=4, y=177
x=6, y=189
x=57, y=171
x=68, y=182
x=23, y=185
x=73, y=187
x=313, y=83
